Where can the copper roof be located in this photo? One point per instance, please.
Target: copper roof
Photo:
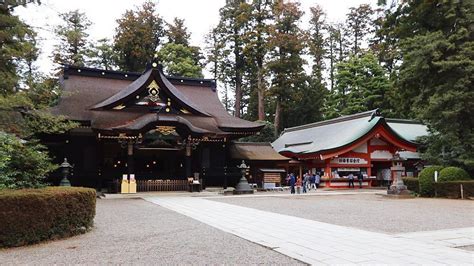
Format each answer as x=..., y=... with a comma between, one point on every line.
x=255, y=151
x=89, y=95
x=332, y=134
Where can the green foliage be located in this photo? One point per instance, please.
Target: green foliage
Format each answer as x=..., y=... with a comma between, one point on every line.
x=177, y=33
x=137, y=37
x=24, y=114
x=102, y=55
x=452, y=189
x=412, y=184
x=33, y=215
x=73, y=46
x=287, y=42
x=436, y=75
x=16, y=47
x=426, y=179
x=361, y=85
x=22, y=164
x=267, y=134
x=180, y=60
x=453, y=174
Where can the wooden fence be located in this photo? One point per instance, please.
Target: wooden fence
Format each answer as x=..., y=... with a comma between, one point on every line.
x=162, y=185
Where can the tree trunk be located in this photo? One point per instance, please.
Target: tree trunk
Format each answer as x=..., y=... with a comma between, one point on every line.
x=261, y=95
x=276, y=122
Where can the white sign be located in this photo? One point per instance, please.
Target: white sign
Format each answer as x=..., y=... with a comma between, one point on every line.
x=344, y=160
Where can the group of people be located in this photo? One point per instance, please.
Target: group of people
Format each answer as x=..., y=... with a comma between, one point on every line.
x=308, y=182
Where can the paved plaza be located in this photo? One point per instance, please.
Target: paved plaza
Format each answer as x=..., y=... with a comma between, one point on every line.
x=326, y=227
x=315, y=242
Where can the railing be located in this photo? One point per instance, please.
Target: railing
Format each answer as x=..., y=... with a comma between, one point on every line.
x=153, y=185
x=162, y=185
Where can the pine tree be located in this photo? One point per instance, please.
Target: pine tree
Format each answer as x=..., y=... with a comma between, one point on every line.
x=73, y=46
x=137, y=37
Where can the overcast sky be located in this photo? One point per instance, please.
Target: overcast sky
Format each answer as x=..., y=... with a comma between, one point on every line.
x=200, y=16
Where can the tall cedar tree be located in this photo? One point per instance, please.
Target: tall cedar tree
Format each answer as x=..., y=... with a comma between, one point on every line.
x=177, y=32
x=435, y=79
x=102, y=55
x=359, y=24
x=229, y=31
x=137, y=37
x=317, y=49
x=73, y=46
x=259, y=14
x=17, y=47
x=288, y=77
x=218, y=59
x=177, y=56
x=336, y=48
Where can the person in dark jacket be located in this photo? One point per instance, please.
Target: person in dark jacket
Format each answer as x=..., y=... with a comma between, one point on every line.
x=292, y=183
x=360, y=177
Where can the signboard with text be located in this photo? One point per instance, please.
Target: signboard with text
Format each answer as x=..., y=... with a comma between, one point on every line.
x=345, y=160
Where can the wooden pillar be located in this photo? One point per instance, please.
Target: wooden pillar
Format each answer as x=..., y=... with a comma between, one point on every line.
x=225, y=164
x=188, y=161
x=130, y=161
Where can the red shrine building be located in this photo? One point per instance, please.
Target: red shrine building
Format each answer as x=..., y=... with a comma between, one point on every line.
x=362, y=143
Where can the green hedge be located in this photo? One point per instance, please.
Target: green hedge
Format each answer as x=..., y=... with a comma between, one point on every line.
x=452, y=189
x=412, y=184
x=32, y=215
x=453, y=174
x=426, y=179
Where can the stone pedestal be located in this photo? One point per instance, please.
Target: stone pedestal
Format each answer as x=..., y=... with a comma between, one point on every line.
x=398, y=188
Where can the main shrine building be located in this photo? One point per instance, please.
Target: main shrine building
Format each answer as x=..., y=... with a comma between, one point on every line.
x=363, y=143
x=147, y=125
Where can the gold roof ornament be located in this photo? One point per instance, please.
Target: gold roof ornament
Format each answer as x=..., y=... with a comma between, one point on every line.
x=166, y=130
x=153, y=91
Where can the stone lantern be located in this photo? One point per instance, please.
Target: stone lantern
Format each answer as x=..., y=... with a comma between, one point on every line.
x=243, y=186
x=398, y=188
x=65, y=171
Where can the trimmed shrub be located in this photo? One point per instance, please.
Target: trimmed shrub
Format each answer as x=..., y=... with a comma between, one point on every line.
x=29, y=216
x=453, y=174
x=426, y=179
x=452, y=189
x=412, y=184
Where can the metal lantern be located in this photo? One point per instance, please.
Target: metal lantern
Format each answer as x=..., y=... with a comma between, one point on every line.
x=65, y=171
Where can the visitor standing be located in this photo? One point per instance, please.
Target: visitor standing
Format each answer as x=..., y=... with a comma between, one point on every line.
x=313, y=182
x=351, y=180
x=292, y=182
x=317, y=180
x=360, y=177
x=298, y=184
x=305, y=182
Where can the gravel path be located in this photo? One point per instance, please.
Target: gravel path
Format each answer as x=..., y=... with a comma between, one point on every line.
x=134, y=231
x=369, y=212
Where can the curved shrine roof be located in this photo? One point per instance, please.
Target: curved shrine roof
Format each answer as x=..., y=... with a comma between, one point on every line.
x=330, y=135
x=90, y=95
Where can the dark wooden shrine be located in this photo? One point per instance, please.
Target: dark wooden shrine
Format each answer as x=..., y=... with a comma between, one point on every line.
x=146, y=124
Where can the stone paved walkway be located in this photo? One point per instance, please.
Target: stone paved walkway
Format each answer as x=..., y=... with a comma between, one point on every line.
x=311, y=241
x=458, y=237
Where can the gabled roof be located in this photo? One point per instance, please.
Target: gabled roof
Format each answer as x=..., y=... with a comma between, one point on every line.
x=255, y=151
x=89, y=96
x=331, y=135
